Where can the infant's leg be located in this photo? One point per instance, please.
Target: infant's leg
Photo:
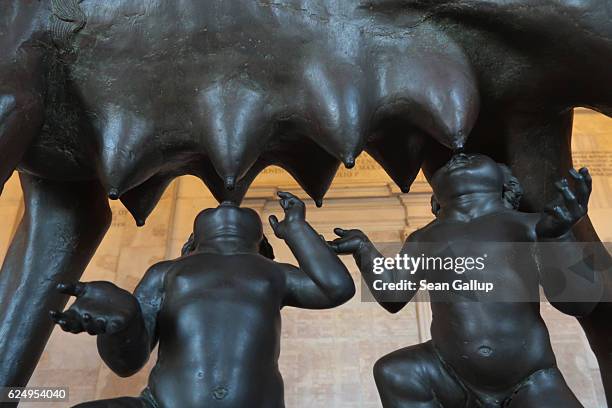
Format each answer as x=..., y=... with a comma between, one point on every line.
x=544, y=389
x=414, y=377
x=125, y=402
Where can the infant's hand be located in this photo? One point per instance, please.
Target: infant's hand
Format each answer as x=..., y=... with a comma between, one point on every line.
x=350, y=241
x=99, y=308
x=295, y=214
x=558, y=219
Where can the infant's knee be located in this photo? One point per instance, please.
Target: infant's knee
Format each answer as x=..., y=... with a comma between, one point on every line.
x=409, y=374
x=383, y=371
x=393, y=375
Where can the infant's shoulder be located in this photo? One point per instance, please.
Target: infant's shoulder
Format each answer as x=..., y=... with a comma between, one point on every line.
x=424, y=233
x=252, y=263
x=527, y=220
x=438, y=228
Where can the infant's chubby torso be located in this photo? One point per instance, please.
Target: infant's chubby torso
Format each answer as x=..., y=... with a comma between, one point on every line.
x=219, y=332
x=494, y=344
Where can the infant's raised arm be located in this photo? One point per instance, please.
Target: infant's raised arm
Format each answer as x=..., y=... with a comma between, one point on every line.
x=124, y=323
x=373, y=268
x=322, y=281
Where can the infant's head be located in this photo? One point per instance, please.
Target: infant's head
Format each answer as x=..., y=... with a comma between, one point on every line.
x=265, y=249
x=474, y=173
x=228, y=221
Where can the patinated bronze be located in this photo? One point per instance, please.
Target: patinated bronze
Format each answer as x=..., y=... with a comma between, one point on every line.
x=484, y=352
x=215, y=311
x=115, y=99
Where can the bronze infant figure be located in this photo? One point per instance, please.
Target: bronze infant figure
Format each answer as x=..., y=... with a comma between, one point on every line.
x=215, y=311
x=483, y=353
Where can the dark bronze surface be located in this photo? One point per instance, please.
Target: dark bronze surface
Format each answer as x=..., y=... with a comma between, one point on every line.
x=484, y=351
x=123, y=96
x=215, y=311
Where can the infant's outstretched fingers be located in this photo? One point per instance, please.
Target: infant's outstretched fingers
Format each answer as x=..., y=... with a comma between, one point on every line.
x=72, y=289
x=561, y=214
x=273, y=222
x=93, y=326
x=340, y=232
x=88, y=325
x=73, y=319
x=286, y=199
x=587, y=176
x=285, y=195
x=68, y=321
x=569, y=198
x=563, y=188
x=101, y=325
x=583, y=187
x=295, y=209
x=55, y=316
x=345, y=245
x=63, y=324
x=333, y=245
x=575, y=175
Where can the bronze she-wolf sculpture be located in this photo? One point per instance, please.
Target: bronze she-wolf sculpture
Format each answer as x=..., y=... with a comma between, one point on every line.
x=115, y=99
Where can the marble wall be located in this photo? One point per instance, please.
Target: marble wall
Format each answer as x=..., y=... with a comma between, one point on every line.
x=327, y=356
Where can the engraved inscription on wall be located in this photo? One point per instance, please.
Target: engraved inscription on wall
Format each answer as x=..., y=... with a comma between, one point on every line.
x=599, y=162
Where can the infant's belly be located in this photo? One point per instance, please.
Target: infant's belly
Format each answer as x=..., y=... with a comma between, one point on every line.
x=218, y=353
x=189, y=386
x=492, y=344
